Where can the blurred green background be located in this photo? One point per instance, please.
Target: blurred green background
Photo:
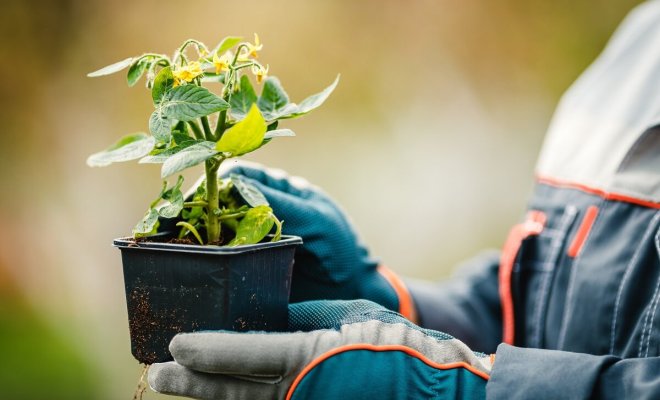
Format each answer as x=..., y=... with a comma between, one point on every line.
x=429, y=143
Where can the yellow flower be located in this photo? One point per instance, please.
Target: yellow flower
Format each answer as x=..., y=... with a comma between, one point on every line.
x=187, y=73
x=222, y=63
x=256, y=47
x=251, y=50
x=260, y=72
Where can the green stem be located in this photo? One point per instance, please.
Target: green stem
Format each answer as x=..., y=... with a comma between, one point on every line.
x=196, y=130
x=192, y=230
x=224, y=217
x=213, y=200
x=220, y=126
x=207, y=128
x=278, y=230
x=190, y=204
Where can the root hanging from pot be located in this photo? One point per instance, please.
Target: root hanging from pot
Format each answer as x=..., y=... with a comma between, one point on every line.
x=142, y=384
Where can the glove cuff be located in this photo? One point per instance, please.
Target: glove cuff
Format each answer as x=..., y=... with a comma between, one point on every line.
x=406, y=305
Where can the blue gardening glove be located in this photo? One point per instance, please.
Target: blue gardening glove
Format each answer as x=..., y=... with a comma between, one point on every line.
x=337, y=350
x=332, y=263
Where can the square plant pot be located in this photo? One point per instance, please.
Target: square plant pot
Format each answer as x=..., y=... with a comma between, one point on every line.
x=173, y=288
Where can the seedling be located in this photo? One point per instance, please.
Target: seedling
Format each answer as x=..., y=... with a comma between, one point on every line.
x=193, y=125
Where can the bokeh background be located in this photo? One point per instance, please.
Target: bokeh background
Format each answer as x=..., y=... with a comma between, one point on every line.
x=429, y=143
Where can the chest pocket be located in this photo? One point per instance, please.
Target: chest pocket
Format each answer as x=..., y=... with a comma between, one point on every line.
x=534, y=273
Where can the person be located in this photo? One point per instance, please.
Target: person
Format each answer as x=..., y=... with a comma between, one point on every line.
x=569, y=309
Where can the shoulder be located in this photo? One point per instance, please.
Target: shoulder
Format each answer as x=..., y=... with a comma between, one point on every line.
x=606, y=130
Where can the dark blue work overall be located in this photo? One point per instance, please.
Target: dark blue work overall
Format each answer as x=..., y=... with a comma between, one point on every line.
x=576, y=290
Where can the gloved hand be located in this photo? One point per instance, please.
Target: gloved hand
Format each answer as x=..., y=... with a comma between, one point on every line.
x=337, y=350
x=332, y=263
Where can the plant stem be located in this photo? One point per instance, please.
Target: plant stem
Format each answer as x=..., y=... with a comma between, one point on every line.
x=239, y=214
x=195, y=128
x=190, y=204
x=192, y=230
x=220, y=126
x=213, y=200
x=207, y=128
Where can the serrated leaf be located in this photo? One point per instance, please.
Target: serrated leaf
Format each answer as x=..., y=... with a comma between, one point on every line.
x=279, y=133
x=137, y=69
x=241, y=101
x=163, y=82
x=250, y=193
x=185, y=103
x=227, y=43
x=273, y=96
x=147, y=224
x=164, y=155
x=129, y=147
x=256, y=224
x=246, y=136
x=315, y=100
x=180, y=137
x=174, y=200
x=112, y=68
x=160, y=126
x=285, y=112
x=188, y=157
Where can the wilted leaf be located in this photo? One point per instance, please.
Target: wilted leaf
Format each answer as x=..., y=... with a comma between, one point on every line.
x=129, y=147
x=244, y=137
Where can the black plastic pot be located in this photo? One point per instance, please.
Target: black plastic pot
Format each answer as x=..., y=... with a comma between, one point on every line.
x=173, y=288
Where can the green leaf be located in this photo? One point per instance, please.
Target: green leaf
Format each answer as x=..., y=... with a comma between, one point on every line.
x=174, y=199
x=242, y=100
x=244, y=137
x=164, y=155
x=147, y=224
x=213, y=77
x=252, y=196
x=256, y=224
x=112, y=68
x=279, y=133
x=163, y=82
x=227, y=43
x=185, y=103
x=180, y=136
x=188, y=157
x=137, y=69
x=193, y=214
x=315, y=101
x=273, y=96
x=160, y=126
x=129, y=147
